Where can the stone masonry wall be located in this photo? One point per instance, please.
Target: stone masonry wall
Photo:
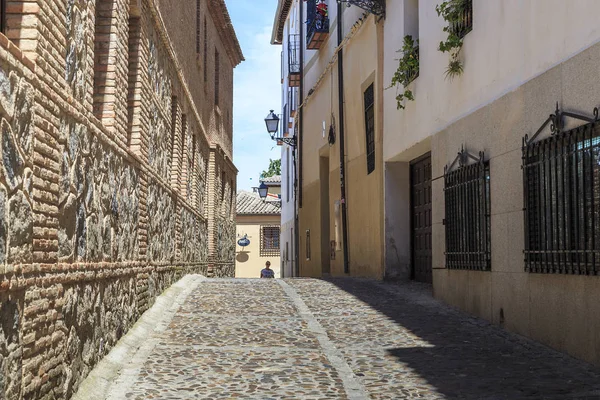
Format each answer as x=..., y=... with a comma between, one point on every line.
x=107, y=192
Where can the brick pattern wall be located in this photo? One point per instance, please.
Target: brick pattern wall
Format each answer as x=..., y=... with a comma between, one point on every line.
x=106, y=198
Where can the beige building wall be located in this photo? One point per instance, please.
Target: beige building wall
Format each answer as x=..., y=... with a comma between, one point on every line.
x=562, y=311
x=248, y=261
x=321, y=162
x=516, y=71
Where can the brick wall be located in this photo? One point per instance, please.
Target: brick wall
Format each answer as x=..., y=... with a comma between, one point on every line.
x=110, y=184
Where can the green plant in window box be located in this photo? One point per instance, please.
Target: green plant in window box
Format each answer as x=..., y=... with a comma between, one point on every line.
x=453, y=12
x=408, y=70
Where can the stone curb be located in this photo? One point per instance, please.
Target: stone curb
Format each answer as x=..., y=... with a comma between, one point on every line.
x=112, y=375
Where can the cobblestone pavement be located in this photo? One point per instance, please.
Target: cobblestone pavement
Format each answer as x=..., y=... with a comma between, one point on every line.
x=344, y=339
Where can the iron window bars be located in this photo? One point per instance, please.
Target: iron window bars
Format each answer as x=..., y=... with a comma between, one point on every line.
x=561, y=195
x=467, y=222
x=369, y=103
x=464, y=24
x=269, y=240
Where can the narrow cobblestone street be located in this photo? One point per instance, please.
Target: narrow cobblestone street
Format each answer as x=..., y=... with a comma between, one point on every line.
x=340, y=339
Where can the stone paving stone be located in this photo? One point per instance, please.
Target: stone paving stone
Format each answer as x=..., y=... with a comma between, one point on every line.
x=219, y=330
x=246, y=339
x=174, y=371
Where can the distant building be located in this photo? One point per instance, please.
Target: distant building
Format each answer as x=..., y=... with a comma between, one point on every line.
x=258, y=221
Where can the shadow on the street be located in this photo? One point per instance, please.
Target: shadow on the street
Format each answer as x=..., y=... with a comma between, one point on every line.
x=468, y=357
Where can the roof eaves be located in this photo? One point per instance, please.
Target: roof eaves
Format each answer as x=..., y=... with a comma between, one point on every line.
x=227, y=33
x=283, y=9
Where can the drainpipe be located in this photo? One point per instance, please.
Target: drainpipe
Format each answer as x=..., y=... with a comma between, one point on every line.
x=340, y=35
x=298, y=170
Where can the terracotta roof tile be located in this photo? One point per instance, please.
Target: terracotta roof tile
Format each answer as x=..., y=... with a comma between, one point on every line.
x=251, y=203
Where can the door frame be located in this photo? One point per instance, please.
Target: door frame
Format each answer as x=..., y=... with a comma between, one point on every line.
x=412, y=222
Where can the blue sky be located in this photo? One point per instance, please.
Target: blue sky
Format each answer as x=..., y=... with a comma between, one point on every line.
x=257, y=88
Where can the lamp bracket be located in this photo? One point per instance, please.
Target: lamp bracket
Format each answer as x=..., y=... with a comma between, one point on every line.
x=376, y=7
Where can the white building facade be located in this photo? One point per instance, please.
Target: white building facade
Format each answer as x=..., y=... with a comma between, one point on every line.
x=288, y=36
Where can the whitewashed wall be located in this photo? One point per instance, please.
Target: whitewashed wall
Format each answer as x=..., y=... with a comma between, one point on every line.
x=512, y=42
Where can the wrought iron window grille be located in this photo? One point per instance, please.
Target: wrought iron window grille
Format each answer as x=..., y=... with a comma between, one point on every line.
x=375, y=7
x=467, y=204
x=269, y=240
x=561, y=196
x=464, y=24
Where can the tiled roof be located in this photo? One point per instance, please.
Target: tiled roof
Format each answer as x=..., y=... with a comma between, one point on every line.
x=272, y=179
x=251, y=203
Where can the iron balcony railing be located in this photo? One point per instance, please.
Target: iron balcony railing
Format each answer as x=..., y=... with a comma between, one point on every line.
x=294, y=53
x=294, y=60
x=317, y=23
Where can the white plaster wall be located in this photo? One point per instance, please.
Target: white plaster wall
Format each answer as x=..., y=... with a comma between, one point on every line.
x=287, y=163
x=512, y=42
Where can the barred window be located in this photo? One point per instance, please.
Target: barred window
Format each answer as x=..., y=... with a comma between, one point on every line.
x=467, y=223
x=561, y=181
x=269, y=240
x=464, y=22
x=369, y=100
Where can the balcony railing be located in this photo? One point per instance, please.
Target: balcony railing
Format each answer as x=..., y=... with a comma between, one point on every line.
x=294, y=60
x=464, y=24
x=317, y=24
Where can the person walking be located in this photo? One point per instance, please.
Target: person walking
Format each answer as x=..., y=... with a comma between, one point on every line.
x=267, y=272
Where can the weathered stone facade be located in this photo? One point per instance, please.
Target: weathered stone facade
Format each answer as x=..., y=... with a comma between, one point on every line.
x=116, y=178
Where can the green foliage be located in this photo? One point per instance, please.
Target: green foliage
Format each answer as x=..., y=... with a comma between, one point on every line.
x=408, y=70
x=454, y=69
x=452, y=11
x=274, y=169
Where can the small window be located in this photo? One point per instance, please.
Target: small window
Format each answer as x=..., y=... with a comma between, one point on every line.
x=369, y=100
x=205, y=59
x=3, y=16
x=467, y=223
x=217, y=76
x=308, y=244
x=198, y=26
x=464, y=23
x=269, y=240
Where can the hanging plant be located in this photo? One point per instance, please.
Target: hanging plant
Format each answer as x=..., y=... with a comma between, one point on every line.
x=457, y=14
x=408, y=70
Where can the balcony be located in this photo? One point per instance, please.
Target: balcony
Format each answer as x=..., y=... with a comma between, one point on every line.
x=317, y=24
x=294, y=60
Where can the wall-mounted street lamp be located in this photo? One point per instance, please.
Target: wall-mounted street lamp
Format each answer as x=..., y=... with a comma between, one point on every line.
x=263, y=191
x=272, y=122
